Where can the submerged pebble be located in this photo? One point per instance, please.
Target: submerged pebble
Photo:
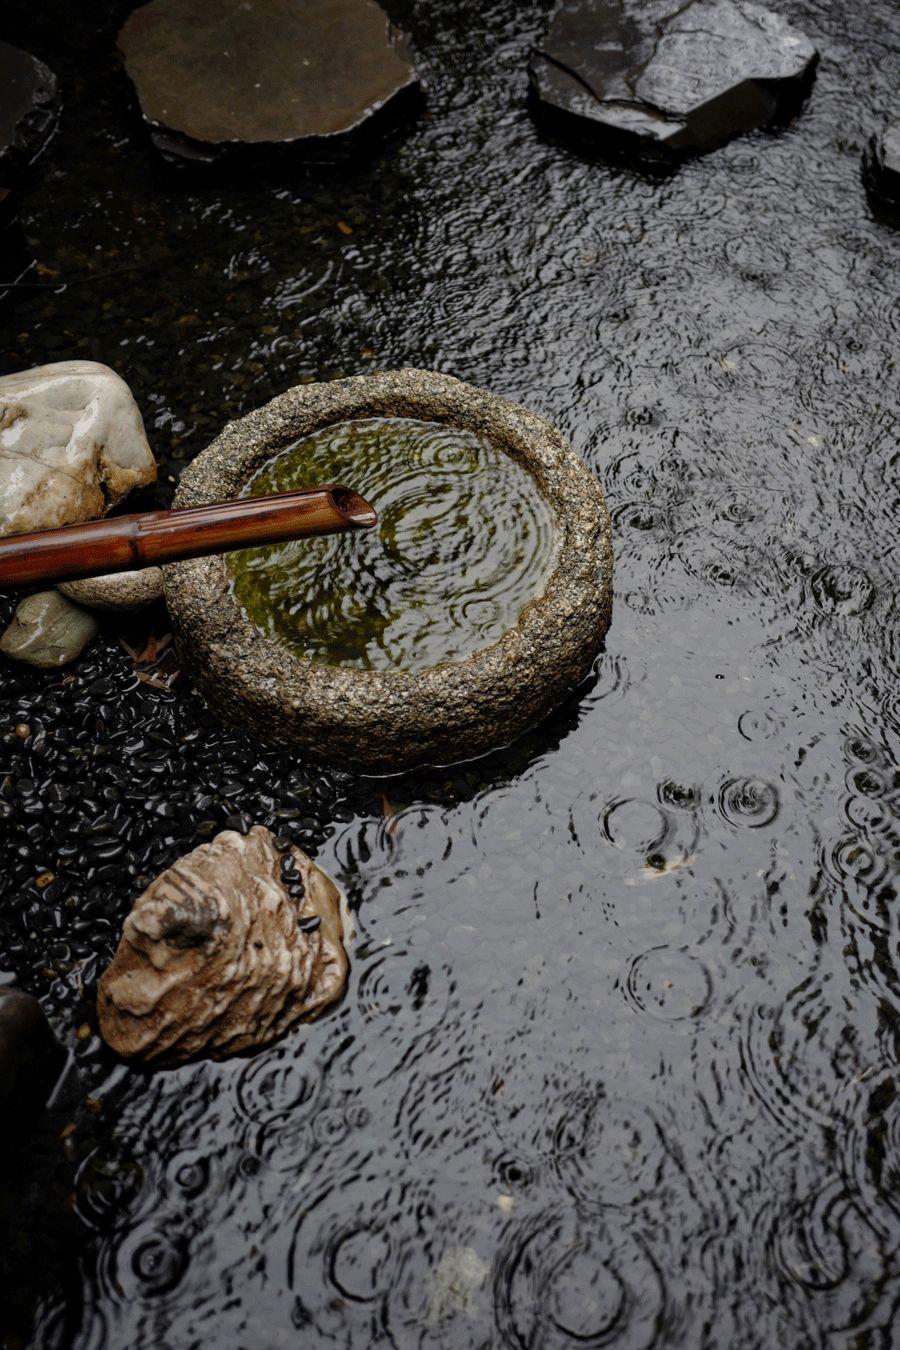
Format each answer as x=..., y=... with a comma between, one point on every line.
x=29, y=109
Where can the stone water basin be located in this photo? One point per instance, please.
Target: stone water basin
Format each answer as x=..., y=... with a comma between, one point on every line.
x=480, y=602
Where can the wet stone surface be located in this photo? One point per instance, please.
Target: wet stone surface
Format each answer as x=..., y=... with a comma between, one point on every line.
x=622, y=1022
x=239, y=941
x=72, y=445
x=117, y=590
x=670, y=78
x=214, y=78
x=883, y=165
x=385, y=720
x=30, y=1062
x=47, y=631
x=29, y=108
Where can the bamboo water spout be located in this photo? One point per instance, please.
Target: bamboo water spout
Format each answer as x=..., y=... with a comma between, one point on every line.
x=148, y=538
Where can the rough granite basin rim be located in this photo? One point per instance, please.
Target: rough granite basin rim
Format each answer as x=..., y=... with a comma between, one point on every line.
x=387, y=721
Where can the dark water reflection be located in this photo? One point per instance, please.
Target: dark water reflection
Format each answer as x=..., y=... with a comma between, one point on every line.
x=619, y=1063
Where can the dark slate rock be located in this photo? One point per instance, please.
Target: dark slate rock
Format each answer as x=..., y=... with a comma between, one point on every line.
x=30, y=1061
x=29, y=110
x=883, y=165
x=666, y=78
x=217, y=79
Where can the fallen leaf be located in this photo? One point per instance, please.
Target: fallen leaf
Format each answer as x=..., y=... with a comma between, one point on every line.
x=158, y=682
x=390, y=814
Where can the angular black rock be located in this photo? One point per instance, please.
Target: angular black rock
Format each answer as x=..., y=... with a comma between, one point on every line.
x=669, y=79
x=233, y=78
x=30, y=1061
x=29, y=110
x=882, y=164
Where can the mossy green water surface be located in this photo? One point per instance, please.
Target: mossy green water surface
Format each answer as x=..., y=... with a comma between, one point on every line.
x=463, y=543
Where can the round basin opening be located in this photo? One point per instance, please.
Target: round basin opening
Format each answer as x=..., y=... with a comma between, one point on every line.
x=464, y=541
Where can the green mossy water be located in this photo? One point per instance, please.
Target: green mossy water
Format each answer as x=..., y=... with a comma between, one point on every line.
x=464, y=542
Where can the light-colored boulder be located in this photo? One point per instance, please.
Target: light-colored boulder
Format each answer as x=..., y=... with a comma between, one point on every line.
x=72, y=445
x=214, y=957
x=119, y=590
x=47, y=631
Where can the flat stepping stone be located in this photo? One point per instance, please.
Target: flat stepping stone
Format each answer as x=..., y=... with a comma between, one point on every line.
x=883, y=165
x=666, y=78
x=31, y=1061
x=237, y=942
x=218, y=78
x=29, y=112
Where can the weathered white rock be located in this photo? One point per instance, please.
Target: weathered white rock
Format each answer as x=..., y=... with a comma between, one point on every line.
x=212, y=959
x=119, y=590
x=47, y=631
x=72, y=445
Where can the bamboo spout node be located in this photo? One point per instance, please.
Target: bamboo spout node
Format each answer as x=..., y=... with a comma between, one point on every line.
x=126, y=543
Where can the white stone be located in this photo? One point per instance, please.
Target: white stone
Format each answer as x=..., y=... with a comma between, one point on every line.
x=118, y=590
x=72, y=445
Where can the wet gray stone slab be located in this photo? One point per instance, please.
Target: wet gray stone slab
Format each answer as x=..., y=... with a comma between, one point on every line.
x=307, y=74
x=653, y=75
x=29, y=110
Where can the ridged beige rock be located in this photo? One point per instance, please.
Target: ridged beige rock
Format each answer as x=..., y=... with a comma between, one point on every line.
x=72, y=445
x=211, y=960
x=119, y=590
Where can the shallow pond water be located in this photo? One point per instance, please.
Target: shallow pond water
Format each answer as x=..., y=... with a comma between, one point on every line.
x=464, y=542
x=619, y=1060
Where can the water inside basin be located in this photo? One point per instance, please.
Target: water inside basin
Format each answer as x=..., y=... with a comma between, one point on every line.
x=464, y=542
